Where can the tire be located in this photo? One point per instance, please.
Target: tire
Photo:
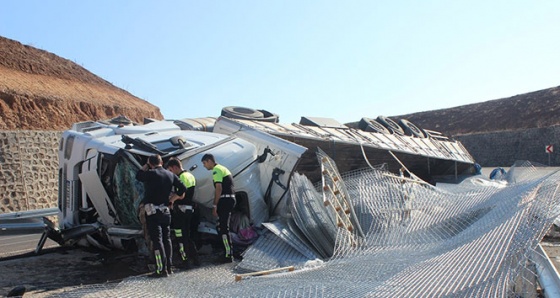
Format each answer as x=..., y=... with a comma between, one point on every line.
x=249, y=114
x=269, y=117
x=370, y=125
x=241, y=113
x=411, y=129
x=390, y=125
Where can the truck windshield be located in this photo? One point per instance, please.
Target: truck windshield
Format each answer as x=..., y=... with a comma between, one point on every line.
x=118, y=177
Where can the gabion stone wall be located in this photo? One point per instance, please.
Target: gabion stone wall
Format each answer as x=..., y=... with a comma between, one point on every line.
x=28, y=170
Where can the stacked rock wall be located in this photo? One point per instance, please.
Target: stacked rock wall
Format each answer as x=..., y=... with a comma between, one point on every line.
x=28, y=170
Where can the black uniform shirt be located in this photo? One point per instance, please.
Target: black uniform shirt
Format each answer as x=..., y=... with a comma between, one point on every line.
x=158, y=185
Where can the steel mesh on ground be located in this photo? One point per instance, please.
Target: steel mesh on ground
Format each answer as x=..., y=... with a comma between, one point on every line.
x=472, y=239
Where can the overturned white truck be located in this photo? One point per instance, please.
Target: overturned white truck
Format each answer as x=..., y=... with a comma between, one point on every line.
x=99, y=196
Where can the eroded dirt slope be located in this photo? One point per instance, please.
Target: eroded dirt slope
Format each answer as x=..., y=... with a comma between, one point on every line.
x=42, y=91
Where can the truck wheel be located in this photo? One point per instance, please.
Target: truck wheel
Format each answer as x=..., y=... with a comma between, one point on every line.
x=249, y=114
x=411, y=129
x=370, y=125
x=242, y=113
x=390, y=125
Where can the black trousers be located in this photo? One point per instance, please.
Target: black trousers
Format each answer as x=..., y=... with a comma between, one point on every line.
x=182, y=221
x=158, y=225
x=225, y=207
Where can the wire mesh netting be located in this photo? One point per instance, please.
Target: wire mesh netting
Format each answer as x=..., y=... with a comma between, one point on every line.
x=370, y=233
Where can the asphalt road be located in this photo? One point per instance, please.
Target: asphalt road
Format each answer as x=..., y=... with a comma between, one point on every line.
x=21, y=241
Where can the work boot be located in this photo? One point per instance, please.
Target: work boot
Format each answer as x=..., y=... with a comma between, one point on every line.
x=169, y=271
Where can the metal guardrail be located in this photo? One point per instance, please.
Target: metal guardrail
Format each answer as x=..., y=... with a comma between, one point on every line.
x=25, y=219
x=29, y=214
x=547, y=273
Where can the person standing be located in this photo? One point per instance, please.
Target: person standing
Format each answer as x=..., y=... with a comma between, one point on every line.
x=158, y=195
x=224, y=201
x=182, y=213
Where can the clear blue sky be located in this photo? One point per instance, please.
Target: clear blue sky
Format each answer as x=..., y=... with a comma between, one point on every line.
x=339, y=59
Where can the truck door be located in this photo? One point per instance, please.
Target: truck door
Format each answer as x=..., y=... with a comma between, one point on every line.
x=93, y=188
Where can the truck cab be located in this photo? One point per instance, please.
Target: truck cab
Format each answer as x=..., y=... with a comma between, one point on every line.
x=99, y=196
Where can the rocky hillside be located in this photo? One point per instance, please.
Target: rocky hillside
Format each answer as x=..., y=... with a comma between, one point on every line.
x=537, y=109
x=42, y=91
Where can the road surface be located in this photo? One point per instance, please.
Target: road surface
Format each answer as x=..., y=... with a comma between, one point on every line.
x=17, y=242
